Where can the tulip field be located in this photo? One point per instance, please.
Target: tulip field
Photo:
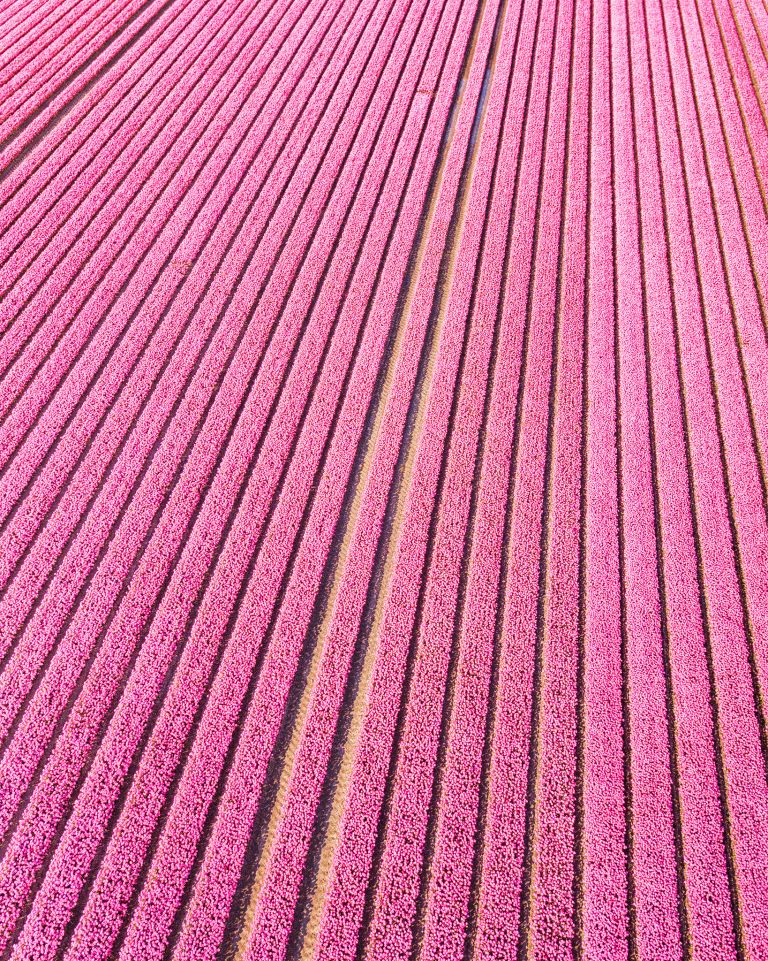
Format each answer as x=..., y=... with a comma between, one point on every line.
x=384, y=480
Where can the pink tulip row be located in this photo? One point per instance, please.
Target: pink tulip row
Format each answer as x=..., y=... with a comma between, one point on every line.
x=196, y=240
x=22, y=21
